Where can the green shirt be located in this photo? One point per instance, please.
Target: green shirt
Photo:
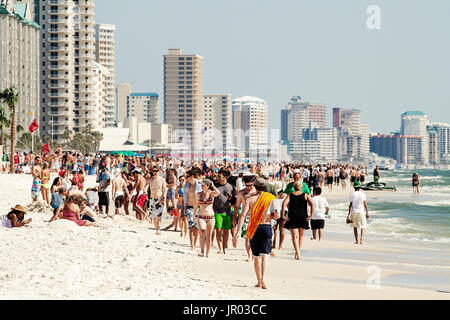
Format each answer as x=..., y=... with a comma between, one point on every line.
x=289, y=188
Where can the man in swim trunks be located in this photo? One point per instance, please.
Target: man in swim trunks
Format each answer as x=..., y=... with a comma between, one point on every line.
x=222, y=210
x=158, y=188
x=190, y=191
x=36, y=172
x=240, y=201
x=139, y=197
x=119, y=189
x=260, y=206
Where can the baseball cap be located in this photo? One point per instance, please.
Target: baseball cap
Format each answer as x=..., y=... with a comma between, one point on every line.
x=260, y=182
x=296, y=171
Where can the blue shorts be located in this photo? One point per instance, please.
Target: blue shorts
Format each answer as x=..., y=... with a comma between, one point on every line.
x=261, y=244
x=170, y=194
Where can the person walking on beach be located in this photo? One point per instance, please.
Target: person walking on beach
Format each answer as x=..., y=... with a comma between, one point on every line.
x=139, y=196
x=240, y=203
x=119, y=190
x=321, y=209
x=206, y=219
x=356, y=217
x=222, y=210
x=261, y=207
x=190, y=191
x=297, y=219
x=158, y=188
x=415, y=183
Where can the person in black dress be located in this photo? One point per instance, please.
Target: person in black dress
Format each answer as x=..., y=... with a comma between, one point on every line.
x=297, y=218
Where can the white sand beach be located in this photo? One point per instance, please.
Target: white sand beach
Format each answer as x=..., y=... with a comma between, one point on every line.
x=124, y=259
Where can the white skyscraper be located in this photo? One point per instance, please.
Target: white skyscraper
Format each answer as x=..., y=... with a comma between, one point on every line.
x=123, y=90
x=67, y=60
x=414, y=123
x=250, y=124
x=104, y=54
x=217, y=119
x=19, y=59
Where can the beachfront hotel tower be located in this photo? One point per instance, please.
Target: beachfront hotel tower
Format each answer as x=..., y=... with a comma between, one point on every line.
x=104, y=55
x=143, y=106
x=183, y=96
x=68, y=97
x=123, y=90
x=414, y=123
x=217, y=118
x=250, y=124
x=19, y=58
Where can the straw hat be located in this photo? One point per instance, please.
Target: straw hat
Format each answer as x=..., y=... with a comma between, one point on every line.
x=19, y=208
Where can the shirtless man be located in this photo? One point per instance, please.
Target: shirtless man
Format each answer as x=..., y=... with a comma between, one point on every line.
x=157, y=196
x=36, y=172
x=139, y=196
x=190, y=191
x=119, y=189
x=261, y=238
x=240, y=201
x=330, y=178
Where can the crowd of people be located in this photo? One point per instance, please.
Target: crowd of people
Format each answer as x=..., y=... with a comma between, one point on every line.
x=210, y=202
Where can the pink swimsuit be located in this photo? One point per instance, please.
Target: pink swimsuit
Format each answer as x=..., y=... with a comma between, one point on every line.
x=72, y=216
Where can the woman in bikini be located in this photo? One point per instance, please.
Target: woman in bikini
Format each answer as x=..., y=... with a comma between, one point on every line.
x=206, y=220
x=45, y=177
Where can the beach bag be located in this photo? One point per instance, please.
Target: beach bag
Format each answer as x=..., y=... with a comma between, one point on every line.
x=349, y=221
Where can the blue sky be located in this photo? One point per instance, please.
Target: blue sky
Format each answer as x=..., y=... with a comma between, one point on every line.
x=321, y=50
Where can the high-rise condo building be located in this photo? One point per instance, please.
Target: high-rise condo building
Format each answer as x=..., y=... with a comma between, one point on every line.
x=442, y=140
x=183, y=96
x=299, y=115
x=143, y=106
x=123, y=90
x=250, y=124
x=415, y=123
x=19, y=59
x=217, y=125
x=104, y=55
x=67, y=61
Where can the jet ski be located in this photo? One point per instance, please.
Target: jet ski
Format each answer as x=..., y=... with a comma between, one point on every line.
x=372, y=186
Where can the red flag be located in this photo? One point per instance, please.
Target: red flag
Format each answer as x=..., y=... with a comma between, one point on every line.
x=45, y=149
x=34, y=126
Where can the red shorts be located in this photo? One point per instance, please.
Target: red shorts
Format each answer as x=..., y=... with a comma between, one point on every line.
x=139, y=202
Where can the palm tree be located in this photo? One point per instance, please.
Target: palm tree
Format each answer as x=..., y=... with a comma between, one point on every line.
x=10, y=97
x=4, y=123
x=66, y=135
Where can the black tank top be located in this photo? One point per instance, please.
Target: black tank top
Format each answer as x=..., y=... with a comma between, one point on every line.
x=298, y=205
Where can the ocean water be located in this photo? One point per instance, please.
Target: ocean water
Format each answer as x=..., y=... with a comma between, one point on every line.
x=422, y=220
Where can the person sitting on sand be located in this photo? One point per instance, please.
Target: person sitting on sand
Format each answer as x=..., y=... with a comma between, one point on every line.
x=86, y=212
x=15, y=219
x=72, y=210
x=57, y=203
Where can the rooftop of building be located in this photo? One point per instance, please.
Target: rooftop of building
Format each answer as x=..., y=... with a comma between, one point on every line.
x=143, y=94
x=249, y=99
x=413, y=113
x=19, y=11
